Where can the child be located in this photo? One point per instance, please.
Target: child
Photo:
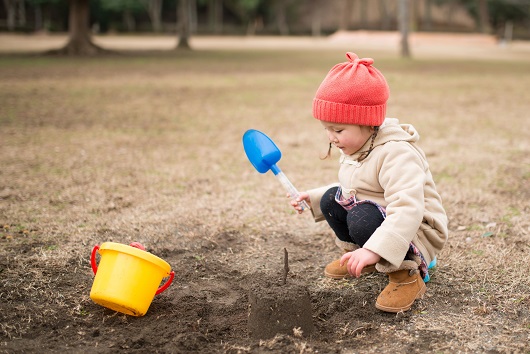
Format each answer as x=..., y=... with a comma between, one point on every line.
x=385, y=210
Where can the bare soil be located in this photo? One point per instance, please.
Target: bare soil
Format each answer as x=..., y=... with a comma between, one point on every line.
x=147, y=148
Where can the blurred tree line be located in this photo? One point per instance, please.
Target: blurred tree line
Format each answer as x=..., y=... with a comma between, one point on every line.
x=275, y=17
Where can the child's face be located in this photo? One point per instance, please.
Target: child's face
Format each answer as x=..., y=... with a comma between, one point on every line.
x=348, y=138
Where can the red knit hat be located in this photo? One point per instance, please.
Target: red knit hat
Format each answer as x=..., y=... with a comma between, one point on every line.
x=353, y=92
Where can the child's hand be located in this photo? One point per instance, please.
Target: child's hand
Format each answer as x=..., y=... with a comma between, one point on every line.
x=358, y=259
x=296, y=202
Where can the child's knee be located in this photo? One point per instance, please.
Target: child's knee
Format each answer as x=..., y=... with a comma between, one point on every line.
x=363, y=220
x=327, y=202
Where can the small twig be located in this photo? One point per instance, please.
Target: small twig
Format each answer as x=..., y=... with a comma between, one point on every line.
x=285, y=265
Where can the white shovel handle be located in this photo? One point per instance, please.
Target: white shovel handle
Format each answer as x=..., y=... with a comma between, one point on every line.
x=293, y=192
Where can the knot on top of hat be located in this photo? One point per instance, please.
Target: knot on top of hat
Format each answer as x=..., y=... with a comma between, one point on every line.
x=353, y=58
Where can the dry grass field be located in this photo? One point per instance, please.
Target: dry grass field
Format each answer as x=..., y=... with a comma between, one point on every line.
x=146, y=147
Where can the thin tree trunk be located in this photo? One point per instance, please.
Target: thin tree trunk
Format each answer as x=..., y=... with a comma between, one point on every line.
x=129, y=21
x=483, y=17
x=11, y=9
x=281, y=17
x=194, y=22
x=415, y=15
x=508, y=31
x=183, y=25
x=451, y=8
x=215, y=16
x=404, y=27
x=38, y=17
x=428, y=15
x=344, y=18
x=154, y=10
x=21, y=13
x=363, y=14
x=385, y=19
x=316, y=22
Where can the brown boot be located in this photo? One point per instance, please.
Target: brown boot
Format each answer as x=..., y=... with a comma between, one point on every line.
x=404, y=287
x=335, y=271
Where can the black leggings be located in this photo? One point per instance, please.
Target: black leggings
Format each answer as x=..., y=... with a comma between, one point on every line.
x=352, y=226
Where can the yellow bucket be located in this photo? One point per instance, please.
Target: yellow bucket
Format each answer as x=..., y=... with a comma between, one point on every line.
x=127, y=278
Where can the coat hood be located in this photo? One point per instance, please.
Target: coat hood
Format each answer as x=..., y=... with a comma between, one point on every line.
x=390, y=130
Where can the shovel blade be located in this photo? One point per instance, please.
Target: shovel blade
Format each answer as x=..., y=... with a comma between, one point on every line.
x=261, y=151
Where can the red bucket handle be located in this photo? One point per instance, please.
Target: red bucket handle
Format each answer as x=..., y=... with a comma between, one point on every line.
x=167, y=284
x=95, y=269
x=93, y=259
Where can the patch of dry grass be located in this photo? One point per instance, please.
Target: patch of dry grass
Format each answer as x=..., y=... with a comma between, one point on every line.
x=148, y=148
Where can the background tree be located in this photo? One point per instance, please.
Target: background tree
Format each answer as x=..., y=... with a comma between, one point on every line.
x=16, y=14
x=217, y=6
x=316, y=21
x=345, y=15
x=427, y=15
x=363, y=13
x=247, y=12
x=154, y=10
x=499, y=15
x=404, y=23
x=483, y=16
x=183, y=24
x=280, y=10
x=215, y=15
x=128, y=9
x=79, y=36
x=37, y=8
x=384, y=14
x=296, y=17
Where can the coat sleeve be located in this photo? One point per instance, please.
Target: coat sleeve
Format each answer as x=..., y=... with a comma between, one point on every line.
x=402, y=175
x=315, y=195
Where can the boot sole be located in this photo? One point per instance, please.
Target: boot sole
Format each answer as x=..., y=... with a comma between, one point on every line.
x=404, y=308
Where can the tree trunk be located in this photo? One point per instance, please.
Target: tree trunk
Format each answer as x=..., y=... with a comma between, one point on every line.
x=363, y=12
x=344, y=18
x=129, y=21
x=21, y=11
x=451, y=8
x=428, y=15
x=11, y=9
x=316, y=22
x=404, y=27
x=38, y=17
x=385, y=19
x=415, y=15
x=154, y=10
x=483, y=17
x=194, y=16
x=215, y=16
x=281, y=17
x=79, y=39
x=183, y=25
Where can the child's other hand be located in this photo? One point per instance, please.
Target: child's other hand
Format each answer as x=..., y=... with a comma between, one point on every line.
x=296, y=202
x=358, y=259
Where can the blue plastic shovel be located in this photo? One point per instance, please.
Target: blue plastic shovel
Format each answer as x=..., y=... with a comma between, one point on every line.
x=264, y=154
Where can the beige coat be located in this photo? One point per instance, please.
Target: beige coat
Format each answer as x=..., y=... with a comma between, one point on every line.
x=396, y=176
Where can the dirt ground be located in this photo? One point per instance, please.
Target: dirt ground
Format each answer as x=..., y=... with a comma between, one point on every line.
x=148, y=149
